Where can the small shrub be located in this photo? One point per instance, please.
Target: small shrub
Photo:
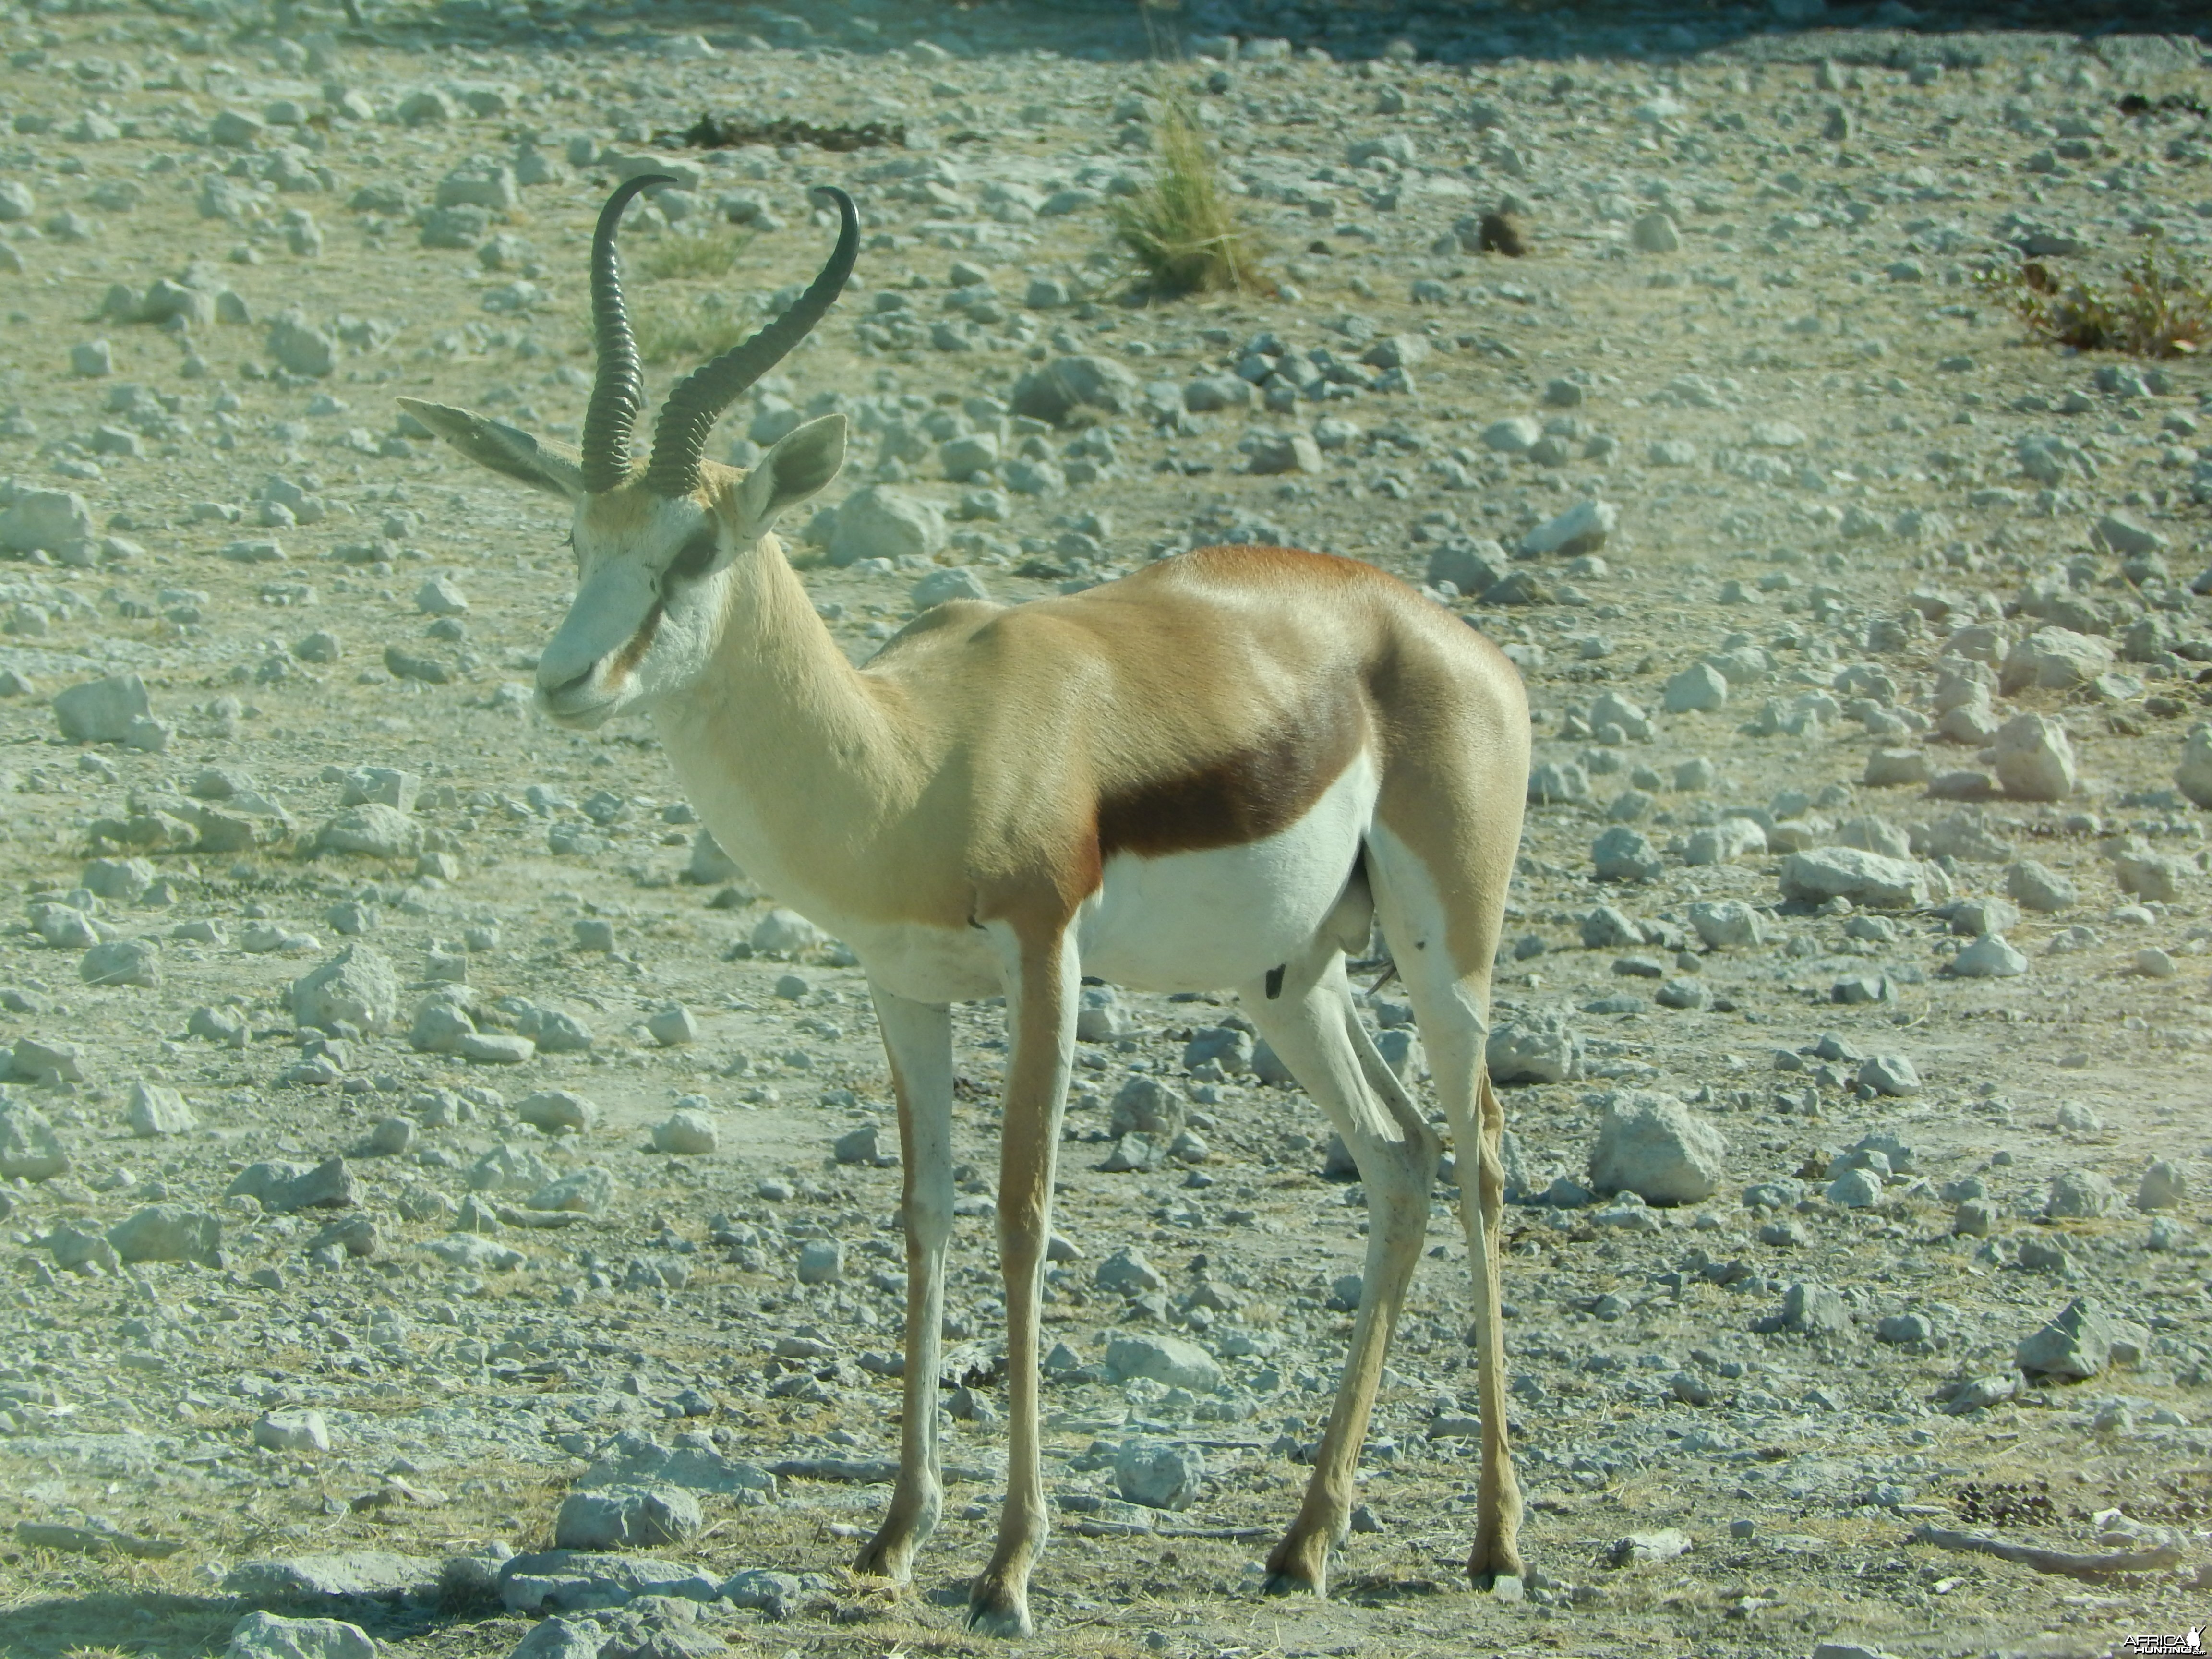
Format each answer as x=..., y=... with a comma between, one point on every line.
x=468, y=1586
x=1182, y=226
x=2161, y=308
x=1503, y=233
x=693, y=332
x=679, y=257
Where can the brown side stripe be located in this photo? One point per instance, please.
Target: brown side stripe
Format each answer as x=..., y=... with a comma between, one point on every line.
x=1242, y=797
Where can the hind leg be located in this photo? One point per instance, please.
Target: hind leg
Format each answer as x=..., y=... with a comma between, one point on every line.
x=1310, y=1024
x=1451, y=997
x=1497, y=1551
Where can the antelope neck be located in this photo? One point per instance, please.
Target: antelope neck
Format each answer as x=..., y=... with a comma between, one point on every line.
x=797, y=762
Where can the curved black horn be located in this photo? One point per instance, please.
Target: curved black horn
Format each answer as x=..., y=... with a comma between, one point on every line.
x=619, y=388
x=680, y=436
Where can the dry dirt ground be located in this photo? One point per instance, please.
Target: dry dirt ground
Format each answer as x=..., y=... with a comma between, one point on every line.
x=1830, y=453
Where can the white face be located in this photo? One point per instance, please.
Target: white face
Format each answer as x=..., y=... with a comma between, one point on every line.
x=651, y=594
x=654, y=572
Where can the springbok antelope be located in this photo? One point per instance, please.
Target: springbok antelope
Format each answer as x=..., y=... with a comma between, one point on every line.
x=1218, y=773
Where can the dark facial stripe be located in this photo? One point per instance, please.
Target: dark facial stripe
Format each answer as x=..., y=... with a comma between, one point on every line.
x=1242, y=796
x=633, y=649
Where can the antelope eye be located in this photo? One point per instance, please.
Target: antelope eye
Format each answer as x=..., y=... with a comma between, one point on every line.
x=691, y=561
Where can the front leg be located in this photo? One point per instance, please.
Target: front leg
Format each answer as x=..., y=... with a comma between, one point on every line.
x=918, y=1037
x=1042, y=991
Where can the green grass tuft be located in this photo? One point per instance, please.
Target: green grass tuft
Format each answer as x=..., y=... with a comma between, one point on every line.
x=693, y=332
x=2162, y=308
x=680, y=257
x=1183, y=228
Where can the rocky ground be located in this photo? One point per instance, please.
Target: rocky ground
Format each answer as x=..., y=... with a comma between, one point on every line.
x=423, y=1152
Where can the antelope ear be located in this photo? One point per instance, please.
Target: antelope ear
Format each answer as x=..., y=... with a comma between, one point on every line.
x=802, y=464
x=551, y=467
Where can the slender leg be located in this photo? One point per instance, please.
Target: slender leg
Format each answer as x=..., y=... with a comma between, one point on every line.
x=1381, y=1080
x=918, y=1036
x=1311, y=1026
x=1450, y=1002
x=1497, y=1551
x=1043, y=994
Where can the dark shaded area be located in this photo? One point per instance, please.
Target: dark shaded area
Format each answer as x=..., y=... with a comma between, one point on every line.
x=1442, y=31
x=710, y=133
x=159, y=1622
x=2174, y=103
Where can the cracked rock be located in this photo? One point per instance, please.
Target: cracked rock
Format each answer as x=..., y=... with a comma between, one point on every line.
x=2033, y=758
x=2164, y=1186
x=557, y=1111
x=153, y=1109
x=1653, y=1145
x=168, y=1232
x=356, y=988
x=688, y=1134
x=2079, y=1194
x=1148, y=1106
x=282, y=1188
x=1625, y=855
x=1988, y=957
x=1164, y=1359
x=621, y=1518
x=262, y=1635
x=102, y=711
x=2194, y=775
x=1725, y=924
x=1867, y=878
x=373, y=830
x=2076, y=1344
x=1533, y=1046
x=30, y=1150
x=1161, y=1474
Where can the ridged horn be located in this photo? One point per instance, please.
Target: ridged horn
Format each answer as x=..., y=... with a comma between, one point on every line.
x=619, y=388
x=679, y=435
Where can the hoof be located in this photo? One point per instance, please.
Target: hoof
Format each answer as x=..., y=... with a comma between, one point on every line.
x=1294, y=1568
x=998, y=1607
x=993, y=1612
x=1498, y=1570
x=882, y=1558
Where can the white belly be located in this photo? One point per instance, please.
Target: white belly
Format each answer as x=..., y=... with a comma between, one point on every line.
x=1207, y=921
x=928, y=965
x=1189, y=922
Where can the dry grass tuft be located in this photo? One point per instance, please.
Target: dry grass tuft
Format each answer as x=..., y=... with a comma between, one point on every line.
x=1503, y=233
x=1183, y=227
x=709, y=255
x=689, y=333
x=2162, y=308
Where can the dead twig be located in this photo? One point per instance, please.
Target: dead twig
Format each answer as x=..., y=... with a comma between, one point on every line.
x=2156, y=1558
